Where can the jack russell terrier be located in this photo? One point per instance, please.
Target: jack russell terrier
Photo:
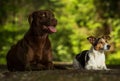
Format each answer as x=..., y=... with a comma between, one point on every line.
x=93, y=59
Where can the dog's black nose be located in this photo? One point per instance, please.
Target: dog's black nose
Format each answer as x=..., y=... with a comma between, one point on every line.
x=108, y=46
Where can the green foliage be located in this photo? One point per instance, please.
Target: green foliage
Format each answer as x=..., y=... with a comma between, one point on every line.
x=77, y=19
x=114, y=58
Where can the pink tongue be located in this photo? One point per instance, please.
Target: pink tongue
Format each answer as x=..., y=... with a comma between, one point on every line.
x=52, y=29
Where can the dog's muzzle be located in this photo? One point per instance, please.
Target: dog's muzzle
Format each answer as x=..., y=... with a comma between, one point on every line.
x=107, y=47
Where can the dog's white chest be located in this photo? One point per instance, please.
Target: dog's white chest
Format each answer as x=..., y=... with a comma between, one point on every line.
x=99, y=59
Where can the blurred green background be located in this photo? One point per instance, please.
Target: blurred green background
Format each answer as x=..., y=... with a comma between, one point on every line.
x=77, y=19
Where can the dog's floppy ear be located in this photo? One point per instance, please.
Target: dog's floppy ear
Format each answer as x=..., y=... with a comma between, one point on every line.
x=106, y=37
x=91, y=39
x=33, y=16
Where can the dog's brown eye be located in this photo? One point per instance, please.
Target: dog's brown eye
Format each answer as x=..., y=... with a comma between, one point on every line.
x=101, y=42
x=106, y=41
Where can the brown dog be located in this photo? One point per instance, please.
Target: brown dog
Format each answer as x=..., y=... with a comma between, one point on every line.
x=34, y=52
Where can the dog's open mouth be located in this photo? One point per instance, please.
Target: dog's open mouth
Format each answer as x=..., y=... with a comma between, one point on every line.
x=52, y=29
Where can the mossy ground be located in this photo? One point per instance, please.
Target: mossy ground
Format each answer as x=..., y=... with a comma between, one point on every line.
x=61, y=75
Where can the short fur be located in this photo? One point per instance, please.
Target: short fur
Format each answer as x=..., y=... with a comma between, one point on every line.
x=34, y=51
x=95, y=57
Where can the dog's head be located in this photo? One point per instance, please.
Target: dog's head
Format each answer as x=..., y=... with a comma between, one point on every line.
x=99, y=43
x=43, y=21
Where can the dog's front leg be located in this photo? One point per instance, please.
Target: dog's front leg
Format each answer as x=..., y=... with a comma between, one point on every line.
x=91, y=64
x=105, y=67
x=50, y=65
x=49, y=62
x=91, y=67
x=28, y=67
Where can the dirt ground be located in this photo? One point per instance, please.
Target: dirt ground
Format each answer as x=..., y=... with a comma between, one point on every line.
x=62, y=74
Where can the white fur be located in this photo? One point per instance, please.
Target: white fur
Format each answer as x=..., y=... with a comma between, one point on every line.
x=96, y=61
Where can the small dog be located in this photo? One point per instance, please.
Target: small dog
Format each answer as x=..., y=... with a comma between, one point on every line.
x=34, y=51
x=93, y=59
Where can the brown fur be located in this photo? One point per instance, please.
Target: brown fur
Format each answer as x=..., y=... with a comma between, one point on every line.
x=100, y=41
x=34, y=52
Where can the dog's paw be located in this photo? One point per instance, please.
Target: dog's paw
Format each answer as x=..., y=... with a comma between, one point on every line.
x=50, y=66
